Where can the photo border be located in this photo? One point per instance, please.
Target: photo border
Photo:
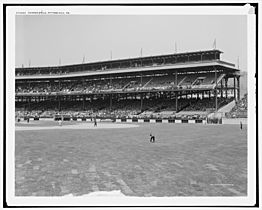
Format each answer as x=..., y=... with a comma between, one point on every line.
x=5, y=6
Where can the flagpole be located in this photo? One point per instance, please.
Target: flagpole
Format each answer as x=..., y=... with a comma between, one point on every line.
x=215, y=44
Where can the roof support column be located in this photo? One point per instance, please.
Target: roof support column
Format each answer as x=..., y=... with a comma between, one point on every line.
x=84, y=98
x=29, y=103
x=176, y=79
x=176, y=102
x=221, y=88
x=226, y=80
x=141, y=101
x=234, y=87
x=59, y=103
x=110, y=101
x=216, y=89
x=238, y=88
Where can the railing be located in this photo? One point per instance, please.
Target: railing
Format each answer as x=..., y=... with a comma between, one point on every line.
x=75, y=73
x=133, y=89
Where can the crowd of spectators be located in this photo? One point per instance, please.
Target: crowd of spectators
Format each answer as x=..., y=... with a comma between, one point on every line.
x=107, y=84
x=118, y=64
x=206, y=104
x=125, y=108
x=239, y=110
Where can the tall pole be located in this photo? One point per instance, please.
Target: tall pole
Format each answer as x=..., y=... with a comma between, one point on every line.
x=215, y=44
x=216, y=88
x=234, y=87
x=221, y=89
x=238, y=88
x=110, y=102
x=141, y=101
x=176, y=102
x=226, y=79
x=84, y=98
x=111, y=94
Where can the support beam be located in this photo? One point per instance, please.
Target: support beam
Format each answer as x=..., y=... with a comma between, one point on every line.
x=84, y=99
x=226, y=80
x=111, y=102
x=221, y=88
x=234, y=88
x=216, y=89
x=141, y=102
x=176, y=103
x=215, y=99
x=29, y=103
x=59, y=103
x=238, y=88
x=176, y=79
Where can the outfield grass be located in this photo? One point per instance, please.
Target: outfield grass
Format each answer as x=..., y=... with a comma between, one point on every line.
x=186, y=160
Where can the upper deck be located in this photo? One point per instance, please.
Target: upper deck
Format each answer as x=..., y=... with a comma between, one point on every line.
x=178, y=62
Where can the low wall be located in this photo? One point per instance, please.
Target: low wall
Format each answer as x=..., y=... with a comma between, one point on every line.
x=234, y=120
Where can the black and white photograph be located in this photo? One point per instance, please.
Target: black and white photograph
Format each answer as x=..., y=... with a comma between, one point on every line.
x=131, y=105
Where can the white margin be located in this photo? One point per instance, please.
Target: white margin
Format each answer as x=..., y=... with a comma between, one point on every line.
x=31, y=201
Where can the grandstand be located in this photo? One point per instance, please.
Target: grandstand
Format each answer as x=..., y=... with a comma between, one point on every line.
x=161, y=86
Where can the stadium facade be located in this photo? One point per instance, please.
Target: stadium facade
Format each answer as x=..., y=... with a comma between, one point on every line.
x=162, y=85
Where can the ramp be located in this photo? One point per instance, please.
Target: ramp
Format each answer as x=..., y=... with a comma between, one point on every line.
x=227, y=108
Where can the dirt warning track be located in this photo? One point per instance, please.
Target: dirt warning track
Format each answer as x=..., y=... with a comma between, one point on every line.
x=77, y=126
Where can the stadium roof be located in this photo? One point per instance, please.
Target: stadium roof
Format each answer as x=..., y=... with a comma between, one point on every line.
x=193, y=66
x=184, y=54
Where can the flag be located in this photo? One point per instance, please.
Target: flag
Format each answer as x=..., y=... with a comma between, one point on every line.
x=215, y=44
x=141, y=52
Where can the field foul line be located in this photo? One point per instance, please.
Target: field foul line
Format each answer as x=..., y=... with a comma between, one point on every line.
x=235, y=192
x=124, y=186
x=177, y=164
x=121, y=182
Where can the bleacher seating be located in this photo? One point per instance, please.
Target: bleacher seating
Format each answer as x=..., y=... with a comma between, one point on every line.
x=239, y=110
x=116, y=84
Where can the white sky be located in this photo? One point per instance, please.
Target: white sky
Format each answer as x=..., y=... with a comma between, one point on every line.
x=45, y=39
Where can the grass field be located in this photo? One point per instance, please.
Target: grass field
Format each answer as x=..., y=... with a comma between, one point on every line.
x=186, y=160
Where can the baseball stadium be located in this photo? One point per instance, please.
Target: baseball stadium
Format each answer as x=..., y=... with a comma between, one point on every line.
x=87, y=128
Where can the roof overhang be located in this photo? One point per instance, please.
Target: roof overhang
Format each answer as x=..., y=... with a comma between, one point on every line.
x=190, y=65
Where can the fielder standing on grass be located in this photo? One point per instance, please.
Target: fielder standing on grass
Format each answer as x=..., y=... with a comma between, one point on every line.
x=152, y=138
x=95, y=122
x=60, y=122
